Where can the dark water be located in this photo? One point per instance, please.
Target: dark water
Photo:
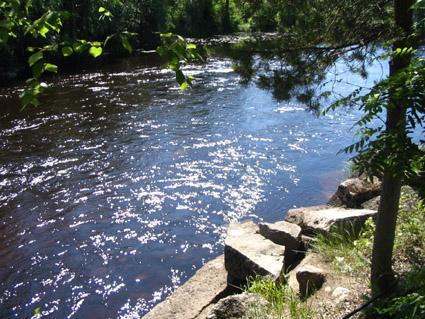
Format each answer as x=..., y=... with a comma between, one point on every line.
x=120, y=187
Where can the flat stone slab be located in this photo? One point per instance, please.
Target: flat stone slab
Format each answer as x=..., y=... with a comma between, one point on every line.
x=282, y=233
x=247, y=253
x=313, y=220
x=295, y=215
x=189, y=300
x=285, y=234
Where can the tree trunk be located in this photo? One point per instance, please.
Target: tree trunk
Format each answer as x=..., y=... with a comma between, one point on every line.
x=227, y=26
x=382, y=276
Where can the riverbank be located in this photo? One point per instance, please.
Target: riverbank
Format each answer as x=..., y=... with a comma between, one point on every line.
x=328, y=277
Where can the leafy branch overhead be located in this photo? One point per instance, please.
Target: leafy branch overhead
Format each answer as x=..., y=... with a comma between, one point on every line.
x=46, y=33
x=377, y=149
x=177, y=52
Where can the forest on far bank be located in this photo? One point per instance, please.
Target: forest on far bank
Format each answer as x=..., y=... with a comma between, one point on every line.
x=96, y=20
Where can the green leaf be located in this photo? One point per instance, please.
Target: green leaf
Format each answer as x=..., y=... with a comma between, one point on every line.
x=37, y=69
x=96, y=44
x=35, y=58
x=95, y=51
x=102, y=9
x=51, y=67
x=167, y=35
x=43, y=31
x=126, y=44
x=80, y=46
x=184, y=86
x=191, y=46
x=67, y=51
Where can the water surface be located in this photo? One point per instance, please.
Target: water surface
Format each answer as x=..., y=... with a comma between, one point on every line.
x=120, y=186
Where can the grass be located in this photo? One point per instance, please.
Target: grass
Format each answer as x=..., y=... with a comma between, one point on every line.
x=350, y=253
x=283, y=302
x=347, y=251
x=410, y=233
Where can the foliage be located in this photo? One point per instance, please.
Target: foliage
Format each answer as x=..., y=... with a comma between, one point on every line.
x=50, y=38
x=350, y=253
x=284, y=303
x=177, y=52
x=377, y=149
x=259, y=15
x=409, y=303
x=410, y=233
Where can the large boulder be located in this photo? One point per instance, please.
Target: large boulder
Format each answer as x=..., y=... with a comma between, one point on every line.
x=353, y=192
x=313, y=220
x=310, y=279
x=237, y=306
x=204, y=288
x=285, y=234
x=247, y=253
x=305, y=279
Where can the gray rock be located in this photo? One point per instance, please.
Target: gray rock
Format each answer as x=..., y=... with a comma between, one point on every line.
x=313, y=221
x=310, y=279
x=355, y=191
x=340, y=294
x=282, y=233
x=372, y=203
x=236, y=306
x=204, y=288
x=247, y=253
x=285, y=234
x=295, y=215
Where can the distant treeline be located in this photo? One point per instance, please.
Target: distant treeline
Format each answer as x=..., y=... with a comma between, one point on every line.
x=146, y=18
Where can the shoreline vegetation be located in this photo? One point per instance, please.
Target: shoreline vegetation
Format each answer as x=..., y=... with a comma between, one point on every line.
x=346, y=256
x=339, y=255
x=14, y=74
x=107, y=21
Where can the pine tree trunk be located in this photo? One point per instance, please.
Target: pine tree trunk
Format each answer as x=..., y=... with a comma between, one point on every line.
x=227, y=16
x=382, y=276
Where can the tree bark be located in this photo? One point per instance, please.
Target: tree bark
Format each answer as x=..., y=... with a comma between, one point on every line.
x=382, y=276
x=227, y=16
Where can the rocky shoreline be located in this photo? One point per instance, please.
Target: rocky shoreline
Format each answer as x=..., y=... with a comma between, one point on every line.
x=280, y=250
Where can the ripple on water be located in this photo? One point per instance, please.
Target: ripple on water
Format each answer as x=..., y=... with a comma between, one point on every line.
x=122, y=187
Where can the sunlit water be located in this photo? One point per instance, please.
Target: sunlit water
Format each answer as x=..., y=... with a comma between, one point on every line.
x=120, y=186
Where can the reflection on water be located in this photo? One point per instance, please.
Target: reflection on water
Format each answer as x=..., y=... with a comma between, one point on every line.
x=121, y=186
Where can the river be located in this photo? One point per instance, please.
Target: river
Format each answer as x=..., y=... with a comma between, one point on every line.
x=120, y=186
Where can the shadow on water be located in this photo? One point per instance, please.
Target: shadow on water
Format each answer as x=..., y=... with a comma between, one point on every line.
x=298, y=76
x=116, y=190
